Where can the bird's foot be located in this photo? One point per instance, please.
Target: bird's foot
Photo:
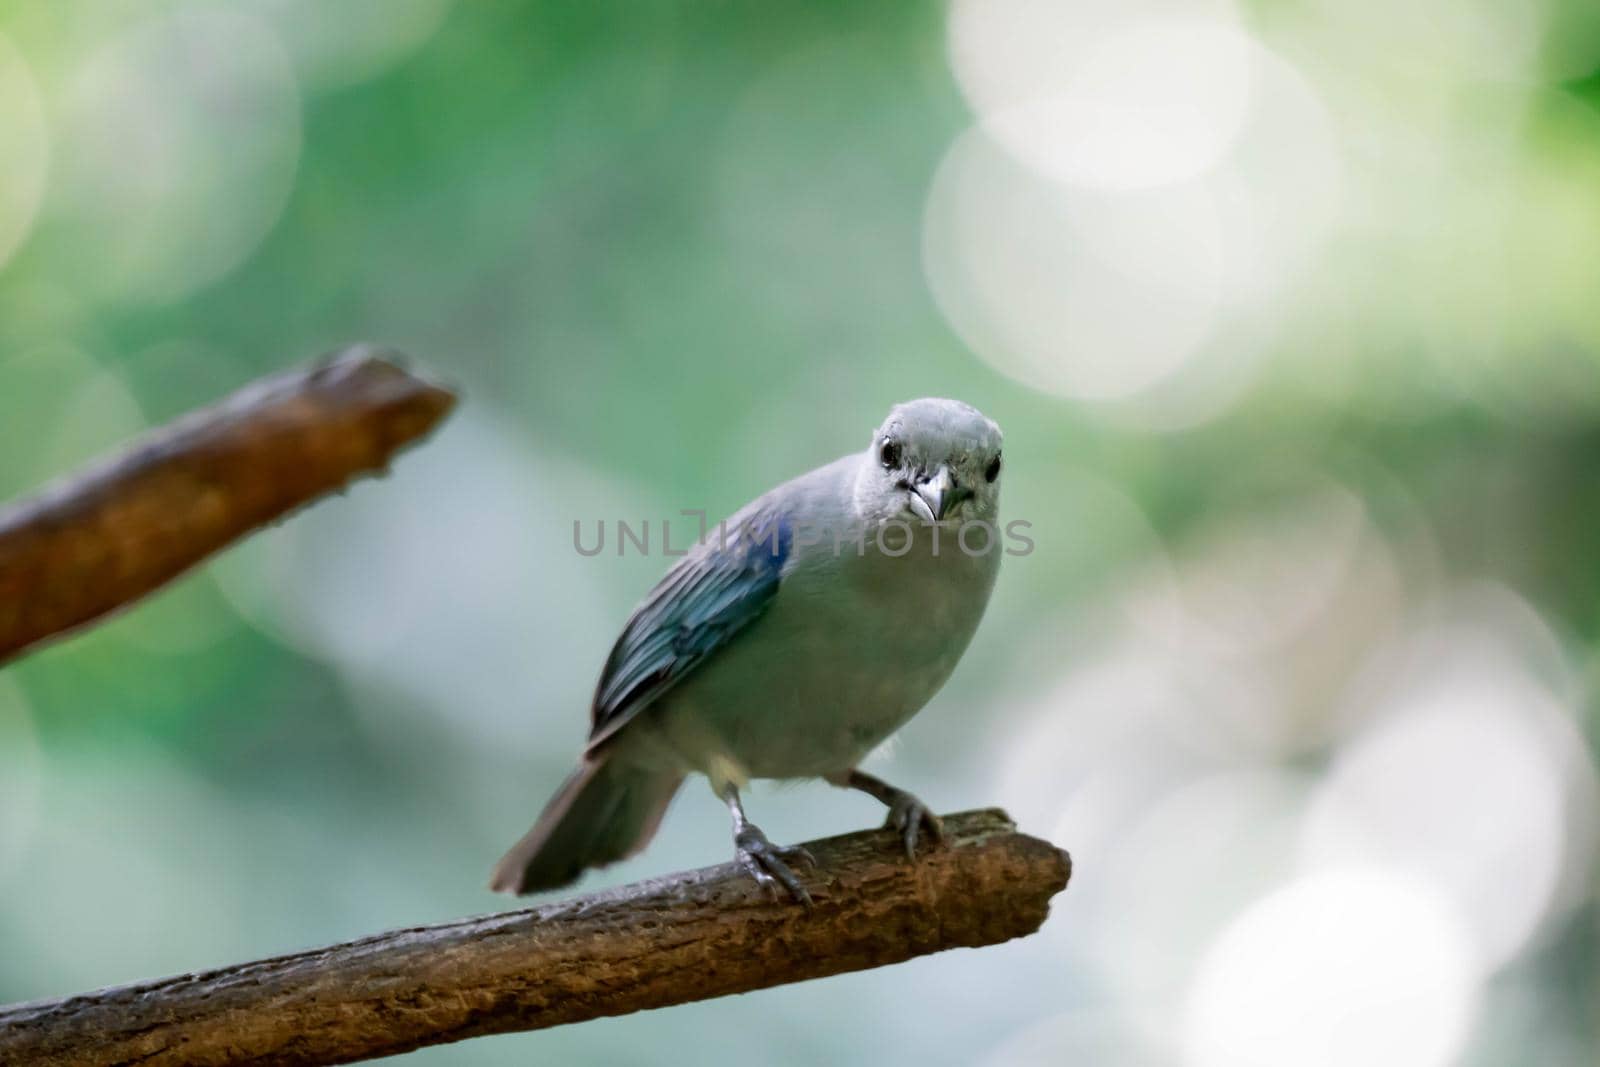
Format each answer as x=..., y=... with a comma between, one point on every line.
x=910, y=817
x=768, y=864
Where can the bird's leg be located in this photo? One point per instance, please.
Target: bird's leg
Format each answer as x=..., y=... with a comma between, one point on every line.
x=767, y=863
x=907, y=814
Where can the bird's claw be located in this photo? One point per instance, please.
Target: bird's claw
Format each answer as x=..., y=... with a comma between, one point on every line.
x=910, y=817
x=768, y=864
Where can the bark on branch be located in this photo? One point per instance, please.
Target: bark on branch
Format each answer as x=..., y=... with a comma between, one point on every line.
x=106, y=536
x=686, y=937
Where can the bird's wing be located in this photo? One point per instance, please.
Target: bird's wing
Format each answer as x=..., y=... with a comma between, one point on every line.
x=705, y=599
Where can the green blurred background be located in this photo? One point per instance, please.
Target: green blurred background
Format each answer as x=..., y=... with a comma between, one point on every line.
x=1290, y=311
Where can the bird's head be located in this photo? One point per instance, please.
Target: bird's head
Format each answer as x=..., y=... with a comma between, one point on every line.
x=932, y=461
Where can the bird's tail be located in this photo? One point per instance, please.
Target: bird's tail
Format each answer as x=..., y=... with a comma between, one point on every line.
x=605, y=812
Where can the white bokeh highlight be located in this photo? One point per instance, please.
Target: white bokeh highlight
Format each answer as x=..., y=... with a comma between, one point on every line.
x=1335, y=969
x=182, y=139
x=1470, y=778
x=345, y=42
x=1317, y=797
x=1094, y=295
x=24, y=149
x=1151, y=104
x=1140, y=181
x=1112, y=95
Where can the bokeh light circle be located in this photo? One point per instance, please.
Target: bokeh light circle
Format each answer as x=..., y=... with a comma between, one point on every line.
x=182, y=139
x=1093, y=295
x=350, y=41
x=1466, y=775
x=1335, y=969
x=1113, y=96
x=24, y=150
x=1135, y=182
x=1145, y=936
x=1151, y=105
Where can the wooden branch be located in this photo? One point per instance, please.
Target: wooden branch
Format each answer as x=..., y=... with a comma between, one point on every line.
x=686, y=937
x=110, y=534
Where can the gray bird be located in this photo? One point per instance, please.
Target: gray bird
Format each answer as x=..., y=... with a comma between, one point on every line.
x=788, y=643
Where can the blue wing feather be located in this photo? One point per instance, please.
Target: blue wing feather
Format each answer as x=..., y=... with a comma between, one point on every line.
x=704, y=600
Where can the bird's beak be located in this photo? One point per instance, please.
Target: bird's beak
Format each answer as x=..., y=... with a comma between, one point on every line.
x=933, y=495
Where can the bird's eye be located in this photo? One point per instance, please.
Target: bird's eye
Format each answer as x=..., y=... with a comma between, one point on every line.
x=889, y=453
x=992, y=471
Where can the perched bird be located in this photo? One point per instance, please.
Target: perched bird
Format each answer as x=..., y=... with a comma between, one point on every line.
x=788, y=643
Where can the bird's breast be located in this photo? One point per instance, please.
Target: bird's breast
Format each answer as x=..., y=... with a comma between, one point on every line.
x=851, y=647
